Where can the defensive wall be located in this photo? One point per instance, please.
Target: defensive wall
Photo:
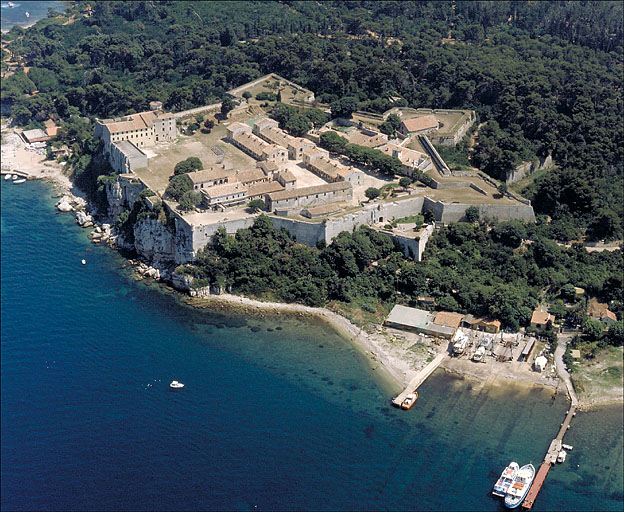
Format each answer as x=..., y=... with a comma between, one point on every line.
x=527, y=168
x=456, y=212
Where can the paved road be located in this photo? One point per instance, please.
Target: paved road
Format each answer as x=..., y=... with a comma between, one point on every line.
x=562, y=343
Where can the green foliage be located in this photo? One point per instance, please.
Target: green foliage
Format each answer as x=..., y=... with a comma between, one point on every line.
x=269, y=96
x=372, y=193
x=391, y=125
x=615, y=335
x=189, y=200
x=405, y=182
x=316, y=116
x=178, y=186
x=472, y=214
x=592, y=329
x=246, y=95
x=256, y=204
x=298, y=125
x=227, y=105
x=344, y=107
x=191, y=164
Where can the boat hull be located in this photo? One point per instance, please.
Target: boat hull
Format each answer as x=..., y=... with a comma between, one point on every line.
x=512, y=501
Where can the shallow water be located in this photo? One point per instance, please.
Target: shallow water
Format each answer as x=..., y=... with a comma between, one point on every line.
x=16, y=15
x=276, y=414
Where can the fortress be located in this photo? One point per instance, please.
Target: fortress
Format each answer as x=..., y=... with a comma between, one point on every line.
x=311, y=193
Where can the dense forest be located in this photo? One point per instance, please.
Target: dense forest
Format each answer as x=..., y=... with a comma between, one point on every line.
x=504, y=271
x=544, y=77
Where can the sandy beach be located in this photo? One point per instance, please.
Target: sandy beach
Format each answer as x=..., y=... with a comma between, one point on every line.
x=17, y=157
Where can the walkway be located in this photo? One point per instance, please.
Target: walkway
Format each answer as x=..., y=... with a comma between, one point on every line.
x=420, y=377
x=197, y=110
x=562, y=343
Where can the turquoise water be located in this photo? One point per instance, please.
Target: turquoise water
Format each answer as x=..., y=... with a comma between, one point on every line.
x=16, y=15
x=277, y=414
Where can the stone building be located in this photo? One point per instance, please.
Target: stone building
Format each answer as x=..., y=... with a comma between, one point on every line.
x=225, y=195
x=297, y=146
x=125, y=157
x=419, y=125
x=309, y=196
x=287, y=179
x=209, y=177
x=410, y=159
x=143, y=129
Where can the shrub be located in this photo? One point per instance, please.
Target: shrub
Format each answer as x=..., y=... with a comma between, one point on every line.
x=372, y=193
x=190, y=200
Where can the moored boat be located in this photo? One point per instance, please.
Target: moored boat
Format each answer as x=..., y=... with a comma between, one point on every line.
x=27, y=14
x=8, y=177
x=176, y=385
x=561, y=457
x=504, y=482
x=21, y=180
x=409, y=400
x=520, y=486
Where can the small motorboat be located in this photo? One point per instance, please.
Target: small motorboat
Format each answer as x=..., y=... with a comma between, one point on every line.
x=84, y=262
x=21, y=180
x=409, y=400
x=27, y=14
x=176, y=385
x=11, y=5
x=568, y=447
x=562, y=456
x=8, y=177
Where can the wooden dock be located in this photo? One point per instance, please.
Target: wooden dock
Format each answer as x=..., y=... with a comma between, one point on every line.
x=420, y=377
x=549, y=460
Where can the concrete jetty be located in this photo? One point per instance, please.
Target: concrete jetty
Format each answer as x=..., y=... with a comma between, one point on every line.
x=555, y=446
x=420, y=377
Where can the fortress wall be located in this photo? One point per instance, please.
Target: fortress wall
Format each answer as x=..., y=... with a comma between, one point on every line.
x=308, y=233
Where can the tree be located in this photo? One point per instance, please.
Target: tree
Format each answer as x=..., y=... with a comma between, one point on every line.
x=592, y=328
x=615, y=336
x=316, y=116
x=191, y=164
x=227, y=105
x=372, y=193
x=256, y=204
x=344, y=107
x=189, y=200
x=298, y=125
x=208, y=125
x=391, y=125
x=472, y=214
x=606, y=225
x=178, y=186
x=333, y=142
x=405, y=182
x=429, y=216
x=502, y=189
x=246, y=95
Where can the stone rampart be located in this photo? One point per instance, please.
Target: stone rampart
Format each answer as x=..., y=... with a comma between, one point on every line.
x=456, y=212
x=308, y=233
x=527, y=168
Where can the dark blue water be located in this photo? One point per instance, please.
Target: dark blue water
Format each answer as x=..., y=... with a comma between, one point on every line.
x=270, y=419
x=16, y=15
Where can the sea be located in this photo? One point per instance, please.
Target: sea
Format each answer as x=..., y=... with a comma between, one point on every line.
x=16, y=15
x=277, y=413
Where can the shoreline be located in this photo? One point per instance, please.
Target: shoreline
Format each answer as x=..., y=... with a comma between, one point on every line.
x=397, y=361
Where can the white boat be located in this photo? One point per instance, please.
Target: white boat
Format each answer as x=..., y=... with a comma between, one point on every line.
x=562, y=456
x=176, y=385
x=520, y=486
x=479, y=354
x=502, y=484
x=27, y=14
x=460, y=345
x=21, y=180
x=8, y=177
x=568, y=447
x=11, y=5
x=84, y=262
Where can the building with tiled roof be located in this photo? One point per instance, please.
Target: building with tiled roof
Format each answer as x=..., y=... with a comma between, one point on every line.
x=367, y=138
x=309, y=196
x=419, y=125
x=143, y=129
x=448, y=319
x=226, y=195
x=410, y=158
x=540, y=319
x=297, y=146
x=209, y=178
x=600, y=312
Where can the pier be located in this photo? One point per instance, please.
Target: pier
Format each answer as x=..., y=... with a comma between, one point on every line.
x=420, y=377
x=555, y=446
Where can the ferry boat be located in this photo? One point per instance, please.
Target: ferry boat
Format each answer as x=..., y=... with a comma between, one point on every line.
x=409, y=400
x=520, y=486
x=176, y=385
x=505, y=480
